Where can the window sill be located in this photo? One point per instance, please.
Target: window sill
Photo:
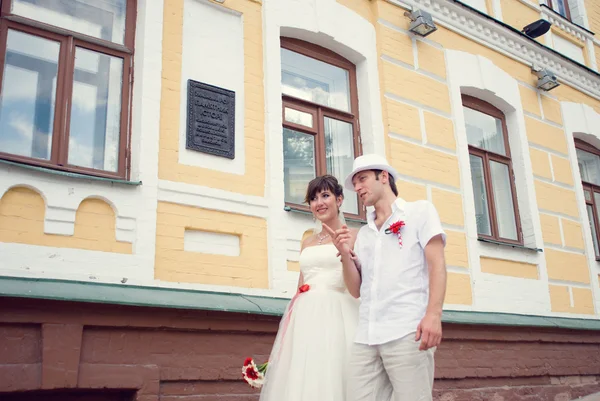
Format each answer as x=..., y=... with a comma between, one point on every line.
x=68, y=174
x=517, y=246
x=297, y=210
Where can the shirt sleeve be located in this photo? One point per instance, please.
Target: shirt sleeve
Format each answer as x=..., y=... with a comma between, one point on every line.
x=430, y=225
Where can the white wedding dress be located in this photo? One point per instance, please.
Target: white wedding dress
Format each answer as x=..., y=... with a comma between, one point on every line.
x=309, y=357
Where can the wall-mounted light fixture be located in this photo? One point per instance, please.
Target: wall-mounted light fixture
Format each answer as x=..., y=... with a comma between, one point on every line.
x=537, y=28
x=421, y=22
x=546, y=79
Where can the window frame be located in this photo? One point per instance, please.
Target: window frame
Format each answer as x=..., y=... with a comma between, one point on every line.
x=567, y=9
x=319, y=112
x=69, y=41
x=487, y=156
x=592, y=188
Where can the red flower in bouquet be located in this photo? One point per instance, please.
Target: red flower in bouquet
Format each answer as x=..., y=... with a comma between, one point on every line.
x=252, y=374
x=395, y=228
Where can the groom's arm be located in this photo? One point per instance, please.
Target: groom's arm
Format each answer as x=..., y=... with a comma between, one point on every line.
x=352, y=276
x=429, y=330
x=436, y=263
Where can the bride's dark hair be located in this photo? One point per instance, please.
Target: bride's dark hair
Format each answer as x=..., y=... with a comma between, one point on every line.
x=323, y=183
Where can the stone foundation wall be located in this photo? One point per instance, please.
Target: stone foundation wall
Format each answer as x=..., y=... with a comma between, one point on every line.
x=77, y=351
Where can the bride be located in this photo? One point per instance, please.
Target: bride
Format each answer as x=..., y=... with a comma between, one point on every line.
x=309, y=357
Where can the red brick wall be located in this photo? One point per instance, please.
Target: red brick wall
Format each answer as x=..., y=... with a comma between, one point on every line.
x=167, y=354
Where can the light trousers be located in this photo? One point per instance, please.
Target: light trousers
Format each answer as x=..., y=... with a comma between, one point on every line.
x=394, y=371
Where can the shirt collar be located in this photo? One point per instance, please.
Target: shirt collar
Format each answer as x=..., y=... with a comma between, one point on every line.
x=398, y=206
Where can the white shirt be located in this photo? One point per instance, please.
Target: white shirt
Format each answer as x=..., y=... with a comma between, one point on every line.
x=395, y=280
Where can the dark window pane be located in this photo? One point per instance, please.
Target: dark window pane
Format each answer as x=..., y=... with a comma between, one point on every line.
x=299, y=117
x=339, y=153
x=96, y=111
x=28, y=95
x=480, y=194
x=589, y=166
x=309, y=79
x=484, y=131
x=298, y=164
x=590, y=213
x=503, y=201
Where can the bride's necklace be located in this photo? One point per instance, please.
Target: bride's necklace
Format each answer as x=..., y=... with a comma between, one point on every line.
x=321, y=239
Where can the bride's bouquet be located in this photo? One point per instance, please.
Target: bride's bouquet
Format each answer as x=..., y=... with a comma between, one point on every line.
x=253, y=374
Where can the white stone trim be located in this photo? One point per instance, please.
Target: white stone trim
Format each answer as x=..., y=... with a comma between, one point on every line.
x=211, y=198
x=497, y=9
x=529, y=4
x=565, y=25
x=485, y=31
x=583, y=121
x=477, y=76
x=333, y=26
x=591, y=54
x=219, y=63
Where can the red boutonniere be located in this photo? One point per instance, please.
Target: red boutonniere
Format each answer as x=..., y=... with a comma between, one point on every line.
x=395, y=229
x=304, y=288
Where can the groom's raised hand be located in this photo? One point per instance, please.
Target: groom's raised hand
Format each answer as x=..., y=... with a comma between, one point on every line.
x=341, y=239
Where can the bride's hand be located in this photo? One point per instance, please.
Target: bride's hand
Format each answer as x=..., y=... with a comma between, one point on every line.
x=340, y=239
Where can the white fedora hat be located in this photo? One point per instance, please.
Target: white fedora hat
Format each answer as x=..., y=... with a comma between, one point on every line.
x=369, y=162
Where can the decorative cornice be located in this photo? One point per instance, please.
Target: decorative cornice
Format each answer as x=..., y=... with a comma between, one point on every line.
x=566, y=26
x=507, y=40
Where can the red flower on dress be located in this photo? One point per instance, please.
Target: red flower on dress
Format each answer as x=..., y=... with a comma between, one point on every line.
x=304, y=288
x=395, y=228
x=248, y=361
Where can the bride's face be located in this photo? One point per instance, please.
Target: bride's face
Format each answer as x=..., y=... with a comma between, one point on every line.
x=325, y=206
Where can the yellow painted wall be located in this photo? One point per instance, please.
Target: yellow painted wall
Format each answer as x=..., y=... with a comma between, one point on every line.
x=567, y=266
x=22, y=212
x=424, y=163
x=509, y=268
x=253, y=181
x=518, y=15
x=560, y=299
x=449, y=206
x=456, y=249
x=410, y=191
x=439, y=131
x=556, y=199
x=551, y=109
x=249, y=269
x=550, y=229
x=529, y=97
x=459, y=289
x=592, y=8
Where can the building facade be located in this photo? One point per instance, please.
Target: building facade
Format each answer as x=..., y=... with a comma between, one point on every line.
x=154, y=157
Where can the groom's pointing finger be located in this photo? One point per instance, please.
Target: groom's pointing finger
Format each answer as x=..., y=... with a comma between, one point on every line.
x=328, y=229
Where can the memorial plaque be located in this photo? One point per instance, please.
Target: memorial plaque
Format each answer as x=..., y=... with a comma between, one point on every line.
x=211, y=120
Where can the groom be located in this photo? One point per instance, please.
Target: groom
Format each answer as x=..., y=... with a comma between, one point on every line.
x=397, y=268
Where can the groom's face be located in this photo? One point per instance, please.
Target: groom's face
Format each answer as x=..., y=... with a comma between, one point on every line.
x=368, y=187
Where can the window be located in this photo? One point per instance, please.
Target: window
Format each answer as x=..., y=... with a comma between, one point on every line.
x=561, y=7
x=65, y=76
x=496, y=206
x=588, y=158
x=320, y=119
